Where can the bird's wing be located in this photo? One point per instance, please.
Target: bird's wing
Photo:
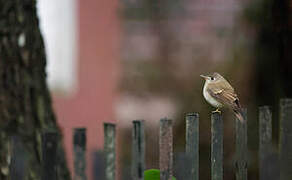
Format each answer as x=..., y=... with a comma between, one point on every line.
x=224, y=93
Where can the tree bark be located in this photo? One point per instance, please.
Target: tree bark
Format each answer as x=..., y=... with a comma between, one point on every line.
x=25, y=102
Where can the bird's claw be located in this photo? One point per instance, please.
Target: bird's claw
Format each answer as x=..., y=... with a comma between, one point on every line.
x=216, y=111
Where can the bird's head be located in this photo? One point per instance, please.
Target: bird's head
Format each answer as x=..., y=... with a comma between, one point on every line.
x=214, y=77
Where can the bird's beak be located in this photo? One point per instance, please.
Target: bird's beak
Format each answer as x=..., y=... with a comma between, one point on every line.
x=205, y=77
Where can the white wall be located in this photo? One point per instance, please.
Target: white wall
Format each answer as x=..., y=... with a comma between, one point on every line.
x=58, y=23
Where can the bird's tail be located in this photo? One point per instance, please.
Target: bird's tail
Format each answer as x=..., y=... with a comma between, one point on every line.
x=239, y=115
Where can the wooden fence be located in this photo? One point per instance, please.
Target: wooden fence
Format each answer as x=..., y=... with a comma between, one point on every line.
x=191, y=149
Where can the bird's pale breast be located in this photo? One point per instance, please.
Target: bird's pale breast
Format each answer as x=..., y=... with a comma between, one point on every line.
x=210, y=99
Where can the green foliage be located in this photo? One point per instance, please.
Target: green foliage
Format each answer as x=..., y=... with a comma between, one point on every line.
x=153, y=174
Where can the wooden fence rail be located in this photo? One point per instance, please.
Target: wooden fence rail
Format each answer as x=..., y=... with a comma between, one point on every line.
x=267, y=170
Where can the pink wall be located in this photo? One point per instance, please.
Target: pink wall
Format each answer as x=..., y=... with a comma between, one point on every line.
x=98, y=65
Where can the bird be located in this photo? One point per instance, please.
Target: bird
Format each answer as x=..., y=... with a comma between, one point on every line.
x=219, y=93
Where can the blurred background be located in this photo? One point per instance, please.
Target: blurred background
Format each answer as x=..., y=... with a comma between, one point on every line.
x=122, y=60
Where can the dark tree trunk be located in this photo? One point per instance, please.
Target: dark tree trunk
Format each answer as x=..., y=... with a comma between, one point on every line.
x=282, y=12
x=25, y=102
x=273, y=51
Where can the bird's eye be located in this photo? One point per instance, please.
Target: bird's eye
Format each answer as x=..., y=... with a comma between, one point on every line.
x=212, y=78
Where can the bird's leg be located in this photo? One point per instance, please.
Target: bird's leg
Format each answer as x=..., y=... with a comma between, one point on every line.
x=216, y=111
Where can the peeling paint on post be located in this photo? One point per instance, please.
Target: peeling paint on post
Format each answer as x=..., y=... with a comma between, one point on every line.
x=165, y=149
x=285, y=139
x=138, y=150
x=241, y=148
x=192, y=144
x=79, y=154
x=216, y=146
x=49, y=155
x=110, y=150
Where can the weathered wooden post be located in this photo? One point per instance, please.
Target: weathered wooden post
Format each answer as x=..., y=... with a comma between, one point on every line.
x=267, y=166
x=285, y=139
x=110, y=150
x=165, y=149
x=49, y=155
x=241, y=147
x=138, y=150
x=79, y=154
x=18, y=159
x=216, y=146
x=182, y=164
x=192, y=144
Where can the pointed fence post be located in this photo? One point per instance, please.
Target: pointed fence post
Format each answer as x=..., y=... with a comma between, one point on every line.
x=192, y=144
x=216, y=146
x=138, y=150
x=165, y=149
x=110, y=150
x=241, y=147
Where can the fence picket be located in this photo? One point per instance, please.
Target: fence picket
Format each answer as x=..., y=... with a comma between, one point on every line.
x=241, y=148
x=49, y=155
x=285, y=139
x=192, y=144
x=138, y=150
x=268, y=161
x=79, y=142
x=18, y=159
x=216, y=146
x=110, y=150
x=165, y=149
